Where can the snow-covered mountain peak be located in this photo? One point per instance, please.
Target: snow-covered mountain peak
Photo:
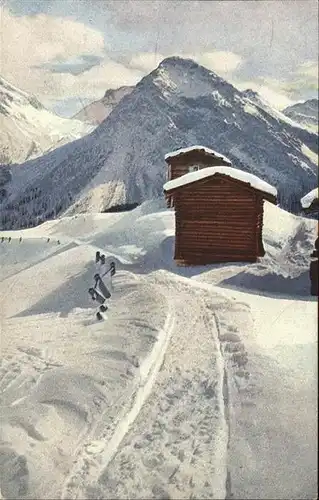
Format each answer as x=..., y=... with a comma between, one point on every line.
x=176, y=62
x=178, y=77
x=305, y=113
x=176, y=65
x=162, y=79
x=291, y=118
x=28, y=129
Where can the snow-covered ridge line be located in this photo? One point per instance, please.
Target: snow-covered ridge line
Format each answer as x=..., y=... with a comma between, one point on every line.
x=196, y=148
x=235, y=173
x=309, y=198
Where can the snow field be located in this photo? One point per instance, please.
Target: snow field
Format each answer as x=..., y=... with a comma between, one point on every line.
x=309, y=198
x=108, y=444
x=62, y=370
x=195, y=386
x=174, y=447
x=15, y=258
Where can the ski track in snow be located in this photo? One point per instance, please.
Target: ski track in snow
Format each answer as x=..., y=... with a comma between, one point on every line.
x=147, y=375
x=161, y=433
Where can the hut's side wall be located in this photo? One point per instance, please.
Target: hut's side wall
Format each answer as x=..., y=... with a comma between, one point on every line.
x=217, y=220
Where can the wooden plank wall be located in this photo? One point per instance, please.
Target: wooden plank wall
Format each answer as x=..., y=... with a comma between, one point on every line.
x=217, y=220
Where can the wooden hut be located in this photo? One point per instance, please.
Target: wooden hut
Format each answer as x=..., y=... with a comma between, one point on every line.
x=185, y=160
x=310, y=205
x=313, y=272
x=219, y=215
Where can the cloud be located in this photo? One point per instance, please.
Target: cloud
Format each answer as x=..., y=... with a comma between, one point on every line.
x=74, y=66
x=277, y=99
x=57, y=58
x=309, y=68
x=299, y=85
x=306, y=77
x=145, y=61
x=89, y=85
x=222, y=62
x=109, y=74
x=33, y=40
x=273, y=94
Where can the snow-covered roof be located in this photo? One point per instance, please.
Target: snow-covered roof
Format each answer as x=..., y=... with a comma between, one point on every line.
x=197, y=148
x=235, y=173
x=309, y=198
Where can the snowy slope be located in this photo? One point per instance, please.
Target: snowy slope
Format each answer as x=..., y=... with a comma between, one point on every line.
x=308, y=135
x=168, y=450
x=122, y=161
x=262, y=103
x=309, y=198
x=97, y=111
x=305, y=113
x=27, y=129
x=192, y=388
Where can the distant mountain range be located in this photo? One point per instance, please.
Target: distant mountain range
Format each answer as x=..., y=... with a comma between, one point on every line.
x=97, y=111
x=122, y=161
x=27, y=129
x=305, y=113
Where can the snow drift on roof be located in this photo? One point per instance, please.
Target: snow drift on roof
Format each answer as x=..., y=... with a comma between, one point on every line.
x=235, y=173
x=309, y=198
x=197, y=148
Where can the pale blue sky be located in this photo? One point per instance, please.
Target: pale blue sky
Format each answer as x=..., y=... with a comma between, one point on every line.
x=70, y=51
